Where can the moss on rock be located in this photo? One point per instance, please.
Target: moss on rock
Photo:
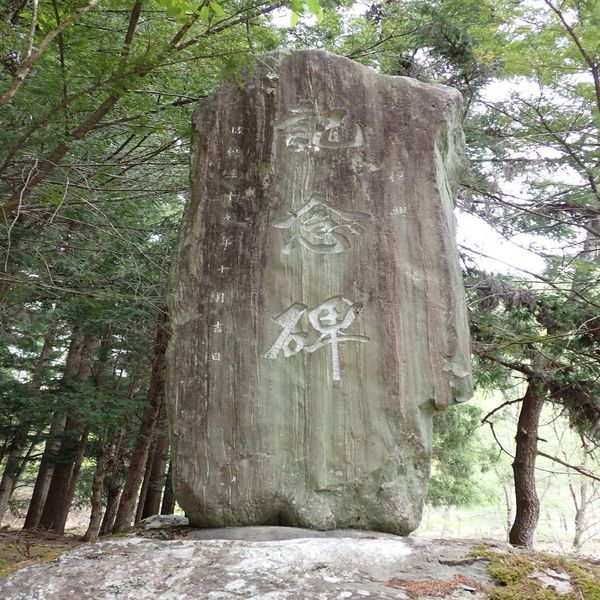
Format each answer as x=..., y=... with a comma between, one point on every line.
x=514, y=572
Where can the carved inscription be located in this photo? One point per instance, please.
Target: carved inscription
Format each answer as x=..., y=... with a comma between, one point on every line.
x=320, y=227
x=305, y=129
x=329, y=319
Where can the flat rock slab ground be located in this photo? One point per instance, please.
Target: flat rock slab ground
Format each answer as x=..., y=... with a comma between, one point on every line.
x=256, y=562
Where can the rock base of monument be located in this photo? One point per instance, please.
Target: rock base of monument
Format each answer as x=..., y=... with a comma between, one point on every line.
x=398, y=513
x=251, y=562
x=166, y=559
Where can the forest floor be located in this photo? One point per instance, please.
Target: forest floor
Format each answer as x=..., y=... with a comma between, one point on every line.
x=20, y=549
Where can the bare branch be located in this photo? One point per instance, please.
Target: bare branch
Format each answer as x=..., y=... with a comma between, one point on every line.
x=577, y=468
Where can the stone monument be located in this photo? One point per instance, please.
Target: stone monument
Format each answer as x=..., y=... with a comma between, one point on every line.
x=317, y=304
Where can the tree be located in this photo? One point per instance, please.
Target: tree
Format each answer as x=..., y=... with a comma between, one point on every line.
x=460, y=456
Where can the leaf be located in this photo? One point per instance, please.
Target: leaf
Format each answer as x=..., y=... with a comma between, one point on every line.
x=205, y=13
x=293, y=18
x=315, y=8
x=217, y=8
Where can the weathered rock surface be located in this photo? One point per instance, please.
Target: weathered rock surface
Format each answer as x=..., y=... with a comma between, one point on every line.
x=260, y=563
x=317, y=304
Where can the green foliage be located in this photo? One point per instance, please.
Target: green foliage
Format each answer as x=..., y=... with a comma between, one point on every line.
x=460, y=455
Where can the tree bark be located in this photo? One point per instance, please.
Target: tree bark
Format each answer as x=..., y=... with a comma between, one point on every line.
x=60, y=485
x=580, y=519
x=509, y=507
x=140, y=452
x=45, y=472
x=115, y=482
x=157, y=468
x=9, y=477
x=91, y=535
x=145, y=483
x=527, y=501
x=70, y=455
x=168, y=502
x=12, y=469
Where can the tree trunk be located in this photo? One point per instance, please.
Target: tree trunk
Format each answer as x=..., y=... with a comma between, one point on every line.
x=509, y=507
x=46, y=469
x=91, y=535
x=105, y=454
x=11, y=469
x=45, y=472
x=581, y=499
x=157, y=470
x=58, y=501
x=168, y=503
x=42, y=362
x=527, y=501
x=157, y=480
x=115, y=486
x=145, y=483
x=140, y=451
x=115, y=489
x=580, y=520
x=71, y=452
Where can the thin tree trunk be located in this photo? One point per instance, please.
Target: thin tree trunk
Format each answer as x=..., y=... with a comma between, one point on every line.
x=11, y=469
x=42, y=362
x=115, y=486
x=4, y=449
x=140, y=451
x=70, y=494
x=168, y=502
x=115, y=489
x=527, y=501
x=580, y=519
x=145, y=483
x=70, y=455
x=103, y=458
x=509, y=507
x=15, y=465
x=157, y=471
x=58, y=492
x=91, y=535
x=581, y=502
x=45, y=472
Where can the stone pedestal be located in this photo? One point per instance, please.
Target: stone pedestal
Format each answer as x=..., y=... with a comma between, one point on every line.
x=317, y=304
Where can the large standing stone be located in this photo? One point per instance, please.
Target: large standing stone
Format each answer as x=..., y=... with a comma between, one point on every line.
x=317, y=305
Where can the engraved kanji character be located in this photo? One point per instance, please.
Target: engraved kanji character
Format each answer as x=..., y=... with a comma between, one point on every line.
x=320, y=227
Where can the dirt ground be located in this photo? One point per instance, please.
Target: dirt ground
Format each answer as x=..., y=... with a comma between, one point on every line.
x=19, y=549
